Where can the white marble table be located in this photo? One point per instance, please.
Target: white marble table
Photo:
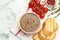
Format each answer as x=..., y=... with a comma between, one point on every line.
x=10, y=13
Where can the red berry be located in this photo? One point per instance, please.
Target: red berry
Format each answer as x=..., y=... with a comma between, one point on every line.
x=33, y=9
x=37, y=8
x=41, y=10
x=38, y=2
x=41, y=5
x=38, y=12
x=31, y=4
x=45, y=10
x=42, y=16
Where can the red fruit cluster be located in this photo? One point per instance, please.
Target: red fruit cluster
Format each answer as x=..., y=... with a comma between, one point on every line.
x=38, y=8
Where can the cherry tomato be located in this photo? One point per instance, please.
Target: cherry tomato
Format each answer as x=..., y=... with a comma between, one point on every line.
x=41, y=5
x=37, y=8
x=42, y=15
x=38, y=2
x=31, y=4
x=33, y=9
x=41, y=10
x=38, y=12
x=45, y=10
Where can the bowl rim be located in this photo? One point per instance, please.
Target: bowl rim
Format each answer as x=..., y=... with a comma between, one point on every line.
x=37, y=30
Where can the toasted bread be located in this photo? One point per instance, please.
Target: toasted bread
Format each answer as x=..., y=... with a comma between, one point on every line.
x=48, y=32
x=49, y=26
x=36, y=37
x=52, y=36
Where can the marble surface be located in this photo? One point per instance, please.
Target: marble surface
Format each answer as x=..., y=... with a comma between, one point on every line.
x=10, y=13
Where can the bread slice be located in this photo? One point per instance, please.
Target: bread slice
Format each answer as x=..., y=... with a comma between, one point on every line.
x=41, y=36
x=49, y=26
x=48, y=32
x=52, y=36
x=36, y=37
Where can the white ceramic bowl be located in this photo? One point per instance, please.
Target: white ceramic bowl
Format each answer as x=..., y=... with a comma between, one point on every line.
x=37, y=30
